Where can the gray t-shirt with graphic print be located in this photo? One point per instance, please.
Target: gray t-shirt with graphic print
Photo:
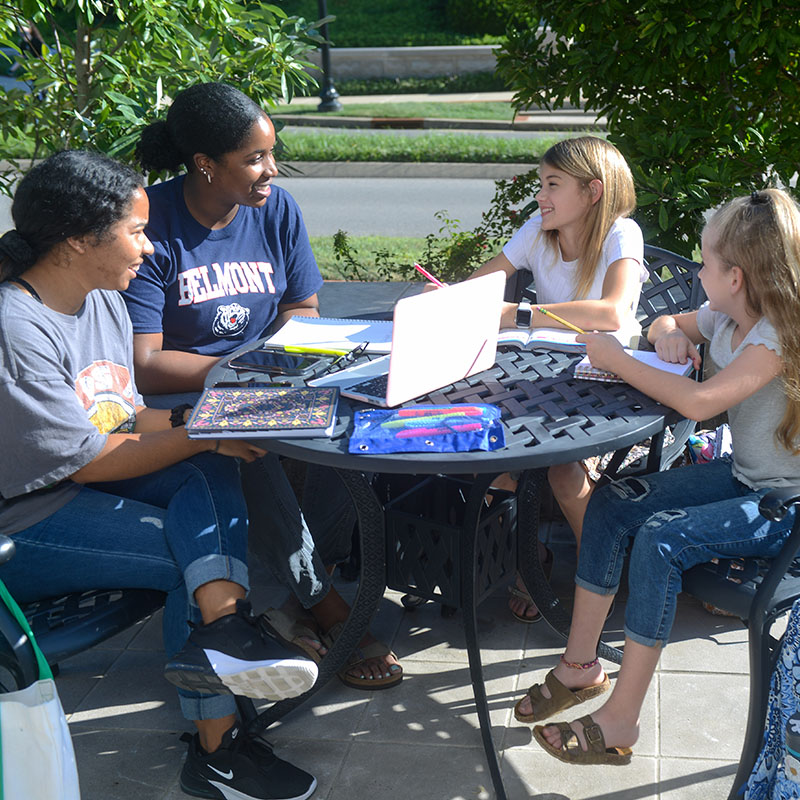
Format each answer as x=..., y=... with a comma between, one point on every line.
x=66, y=382
x=759, y=460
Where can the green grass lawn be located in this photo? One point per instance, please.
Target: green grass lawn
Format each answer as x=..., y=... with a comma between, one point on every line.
x=409, y=23
x=403, y=252
x=466, y=110
x=338, y=145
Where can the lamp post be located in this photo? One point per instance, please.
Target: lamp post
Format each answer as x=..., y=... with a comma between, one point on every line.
x=328, y=94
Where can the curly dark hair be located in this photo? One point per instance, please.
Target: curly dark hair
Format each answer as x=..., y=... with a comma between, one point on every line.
x=210, y=118
x=72, y=193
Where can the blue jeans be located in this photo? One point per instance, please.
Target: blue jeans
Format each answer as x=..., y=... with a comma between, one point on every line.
x=671, y=521
x=172, y=530
x=281, y=534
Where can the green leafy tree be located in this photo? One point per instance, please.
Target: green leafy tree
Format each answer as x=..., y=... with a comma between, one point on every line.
x=108, y=67
x=702, y=96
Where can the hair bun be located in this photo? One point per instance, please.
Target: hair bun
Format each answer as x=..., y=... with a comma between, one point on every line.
x=15, y=248
x=156, y=149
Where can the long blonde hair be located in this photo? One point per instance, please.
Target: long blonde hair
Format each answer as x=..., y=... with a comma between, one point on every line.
x=760, y=234
x=588, y=158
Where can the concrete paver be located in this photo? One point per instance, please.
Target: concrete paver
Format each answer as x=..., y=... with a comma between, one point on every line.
x=421, y=741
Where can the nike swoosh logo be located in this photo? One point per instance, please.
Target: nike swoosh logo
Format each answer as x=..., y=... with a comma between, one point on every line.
x=227, y=775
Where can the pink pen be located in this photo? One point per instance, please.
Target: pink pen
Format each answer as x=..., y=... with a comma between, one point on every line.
x=422, y=271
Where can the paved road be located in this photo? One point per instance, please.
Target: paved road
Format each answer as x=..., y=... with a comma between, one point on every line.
x=387, y=206
x=382, y=206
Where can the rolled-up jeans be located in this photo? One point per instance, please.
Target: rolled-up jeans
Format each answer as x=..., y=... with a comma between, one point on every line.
x=281, y=533
x=671, y=521
x=172, y=530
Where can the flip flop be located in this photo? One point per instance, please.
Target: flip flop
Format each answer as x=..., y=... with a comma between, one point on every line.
x=292, y=631
x=359, y=656
x=515, y=591
x=571, y=751
x=560, y=698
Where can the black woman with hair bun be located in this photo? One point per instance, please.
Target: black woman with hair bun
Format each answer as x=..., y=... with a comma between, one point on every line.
x=233, y=262
x=98, y=491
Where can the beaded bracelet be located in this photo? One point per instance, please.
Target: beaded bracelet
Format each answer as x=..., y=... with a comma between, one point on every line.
x=578, y=665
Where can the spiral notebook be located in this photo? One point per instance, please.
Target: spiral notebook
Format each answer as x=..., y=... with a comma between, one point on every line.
x=335, y=334
x=585, y=370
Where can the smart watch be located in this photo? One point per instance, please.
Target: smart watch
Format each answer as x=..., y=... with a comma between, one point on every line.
x=524, y=314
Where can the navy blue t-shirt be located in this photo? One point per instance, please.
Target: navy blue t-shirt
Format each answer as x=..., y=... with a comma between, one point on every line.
x=210, y=291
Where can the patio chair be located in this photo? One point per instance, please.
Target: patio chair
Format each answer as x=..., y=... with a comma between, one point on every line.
x=758, y=591
x=67, y=625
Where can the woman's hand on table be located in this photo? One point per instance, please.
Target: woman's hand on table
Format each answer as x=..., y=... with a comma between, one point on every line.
x=238, y=448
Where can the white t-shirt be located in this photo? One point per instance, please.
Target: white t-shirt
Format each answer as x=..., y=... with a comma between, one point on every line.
x=554, y=278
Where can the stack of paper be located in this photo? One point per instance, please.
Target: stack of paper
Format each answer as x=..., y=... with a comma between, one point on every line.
x=335, y=334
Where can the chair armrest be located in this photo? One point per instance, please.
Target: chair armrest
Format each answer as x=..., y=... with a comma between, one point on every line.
x=776, y=503
x=774, y=506
x=7, y=548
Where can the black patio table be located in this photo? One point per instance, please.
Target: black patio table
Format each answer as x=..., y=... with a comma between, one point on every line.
x=441, y=539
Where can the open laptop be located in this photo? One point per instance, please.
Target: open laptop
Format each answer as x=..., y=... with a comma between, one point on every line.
x=437, y=338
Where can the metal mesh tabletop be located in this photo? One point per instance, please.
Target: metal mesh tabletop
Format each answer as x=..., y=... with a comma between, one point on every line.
x=550, y=417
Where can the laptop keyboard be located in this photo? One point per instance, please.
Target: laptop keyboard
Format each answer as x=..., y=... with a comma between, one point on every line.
x=376, y=387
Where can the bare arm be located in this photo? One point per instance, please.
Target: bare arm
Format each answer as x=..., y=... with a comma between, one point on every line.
x=497, y=264
x=130, y=455
x=752, y=370
x=675, y=338
x=606, y=314
x=161, y=371
x=307, y=308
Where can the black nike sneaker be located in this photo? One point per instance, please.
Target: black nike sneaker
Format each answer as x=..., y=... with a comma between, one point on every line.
x=242, y=768
x=231, y=656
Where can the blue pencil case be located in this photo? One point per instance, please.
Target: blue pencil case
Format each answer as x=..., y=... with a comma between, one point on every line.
x=428, y=428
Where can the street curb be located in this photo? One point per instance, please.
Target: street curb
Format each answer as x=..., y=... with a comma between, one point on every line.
x=400, y=169
x=540, y=122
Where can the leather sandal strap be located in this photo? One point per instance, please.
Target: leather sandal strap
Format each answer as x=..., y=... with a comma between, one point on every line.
x=595, y=741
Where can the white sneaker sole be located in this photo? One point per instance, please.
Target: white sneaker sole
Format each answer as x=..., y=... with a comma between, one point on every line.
x=274, y=679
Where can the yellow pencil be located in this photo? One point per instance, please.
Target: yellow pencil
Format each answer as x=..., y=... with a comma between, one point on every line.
x=559, y=319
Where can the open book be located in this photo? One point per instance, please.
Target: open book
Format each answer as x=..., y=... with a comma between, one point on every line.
x=335, y=334
x=559, y=338
x=584, y=369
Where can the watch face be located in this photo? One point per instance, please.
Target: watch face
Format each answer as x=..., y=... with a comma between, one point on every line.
x=524, y=315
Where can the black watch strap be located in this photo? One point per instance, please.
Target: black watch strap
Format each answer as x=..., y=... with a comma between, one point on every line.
x=176, y=415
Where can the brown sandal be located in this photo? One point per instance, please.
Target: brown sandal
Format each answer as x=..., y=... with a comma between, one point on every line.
x=293, y=631
x=560, y=698
x=515, y=591
x=571, y=751
x=359, y=655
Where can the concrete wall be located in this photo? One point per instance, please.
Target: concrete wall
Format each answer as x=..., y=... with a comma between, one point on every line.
x=405, y=62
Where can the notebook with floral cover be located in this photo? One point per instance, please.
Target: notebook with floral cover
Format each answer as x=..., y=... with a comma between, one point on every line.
x=262, y=411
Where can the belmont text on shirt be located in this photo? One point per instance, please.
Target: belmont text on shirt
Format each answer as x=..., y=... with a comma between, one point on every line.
x=197, y=285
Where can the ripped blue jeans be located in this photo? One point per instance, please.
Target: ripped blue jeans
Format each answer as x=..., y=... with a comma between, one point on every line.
x=670, y=521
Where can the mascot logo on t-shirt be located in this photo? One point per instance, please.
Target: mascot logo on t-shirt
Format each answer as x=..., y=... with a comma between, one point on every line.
x=106, y=391
x=230, y=320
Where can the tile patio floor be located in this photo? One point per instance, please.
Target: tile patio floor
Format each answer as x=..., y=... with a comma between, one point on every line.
x=420, y=741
